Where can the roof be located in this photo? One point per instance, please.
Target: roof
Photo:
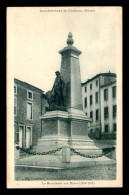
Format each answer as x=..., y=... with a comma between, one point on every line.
x=27, y=84
x=111, y=83
x=98, y=75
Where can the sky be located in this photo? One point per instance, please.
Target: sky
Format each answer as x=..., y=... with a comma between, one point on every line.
x=35, y=37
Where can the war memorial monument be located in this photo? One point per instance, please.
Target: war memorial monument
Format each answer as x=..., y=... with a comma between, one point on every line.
x=65, y=125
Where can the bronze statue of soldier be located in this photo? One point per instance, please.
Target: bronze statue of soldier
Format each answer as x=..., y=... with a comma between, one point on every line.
x=56, y=98
x=57, y=90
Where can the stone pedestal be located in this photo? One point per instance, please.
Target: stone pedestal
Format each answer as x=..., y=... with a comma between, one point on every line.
x=61, y=128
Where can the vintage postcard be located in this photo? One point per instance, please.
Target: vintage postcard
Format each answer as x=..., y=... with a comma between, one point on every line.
x=64, y=97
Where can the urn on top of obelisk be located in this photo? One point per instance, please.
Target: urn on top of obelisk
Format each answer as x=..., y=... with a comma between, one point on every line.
x=70, y=46
x=70, y=40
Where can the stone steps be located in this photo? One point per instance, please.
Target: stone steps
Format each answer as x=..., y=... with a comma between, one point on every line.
x=56, y=161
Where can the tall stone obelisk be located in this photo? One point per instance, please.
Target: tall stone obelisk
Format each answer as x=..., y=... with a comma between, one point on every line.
x=70, y=70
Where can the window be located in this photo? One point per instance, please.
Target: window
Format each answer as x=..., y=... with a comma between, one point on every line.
x=15, y=106
x=114, y=111
x=85, y=89
x=30, y=95
x=15, y=89
x=90, y=99
x=105, y=94
x=91, y=114
x=97, y=130
x=96, y=97
x=86, y=113
x=114, y=92
x=29, y=111
x=106, y=128
x=114, y=127
x=97, y=114
x=85, y=102
x=106, y=112
x=96, y=83
x=90, y=86
x=91, y=130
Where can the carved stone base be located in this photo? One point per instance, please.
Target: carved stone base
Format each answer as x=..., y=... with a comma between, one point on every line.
x=60, y=128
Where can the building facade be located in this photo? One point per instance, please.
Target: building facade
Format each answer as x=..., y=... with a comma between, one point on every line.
x=28, y=108
x=99, y=103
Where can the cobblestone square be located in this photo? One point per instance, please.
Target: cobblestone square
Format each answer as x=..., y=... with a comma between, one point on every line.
x=101, y=172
